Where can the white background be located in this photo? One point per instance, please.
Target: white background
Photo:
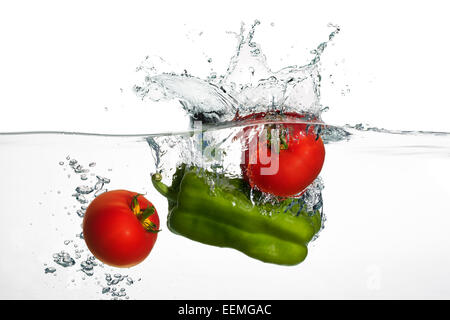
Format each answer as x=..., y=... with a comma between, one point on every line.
x=63, y=63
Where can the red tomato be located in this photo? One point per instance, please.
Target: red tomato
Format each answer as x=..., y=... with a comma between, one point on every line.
x=294, y=166
x=120, y=228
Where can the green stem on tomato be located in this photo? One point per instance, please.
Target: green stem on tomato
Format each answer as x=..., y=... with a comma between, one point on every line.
x=147, y=212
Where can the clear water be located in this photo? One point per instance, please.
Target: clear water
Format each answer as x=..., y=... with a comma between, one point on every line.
x=385, y=197
x=383, y=193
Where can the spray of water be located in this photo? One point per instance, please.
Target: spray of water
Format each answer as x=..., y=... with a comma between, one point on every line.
x=247, y=86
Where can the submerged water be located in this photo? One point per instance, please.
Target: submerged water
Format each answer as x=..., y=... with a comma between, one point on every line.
x=385, y=235
x=383, y=193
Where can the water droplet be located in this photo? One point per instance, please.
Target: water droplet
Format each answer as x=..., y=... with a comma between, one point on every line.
x=103, y=179
x=50, y=270
x=64, y=259
x=80, y=213
x=84, y=189
x=79, y=169
x=99, y=185
x=80, y=198
x=99, y=192
x=255, y=52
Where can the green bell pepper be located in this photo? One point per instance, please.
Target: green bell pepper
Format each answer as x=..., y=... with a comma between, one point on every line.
x=217, y=210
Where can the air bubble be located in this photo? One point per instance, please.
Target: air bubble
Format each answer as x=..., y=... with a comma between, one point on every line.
x=103, y=179
x=99, y=192
x=84, y=189
x=50, y=270
x=63, y=259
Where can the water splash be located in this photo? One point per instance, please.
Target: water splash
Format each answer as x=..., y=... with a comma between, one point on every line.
x=247, y=86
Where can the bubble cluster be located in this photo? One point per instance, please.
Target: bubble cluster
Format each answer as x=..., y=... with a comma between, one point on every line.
x=113, y=287
x=63, y=259
x=84, y=194
x=88, y=265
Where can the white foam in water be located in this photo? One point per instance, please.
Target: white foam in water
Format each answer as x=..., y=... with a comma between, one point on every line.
x=384, y=192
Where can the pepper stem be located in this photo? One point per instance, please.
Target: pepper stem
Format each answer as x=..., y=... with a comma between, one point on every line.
x=162, y=188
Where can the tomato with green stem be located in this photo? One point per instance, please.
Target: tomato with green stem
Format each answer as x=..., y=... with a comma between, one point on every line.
x=286, y=161
x=120, y=228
